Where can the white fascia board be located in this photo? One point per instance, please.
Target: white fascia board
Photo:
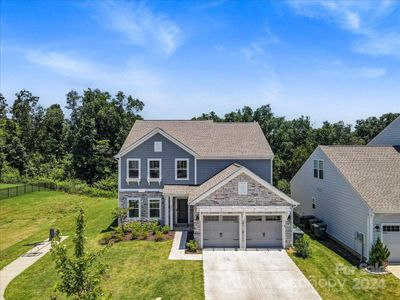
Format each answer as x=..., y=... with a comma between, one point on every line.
x=141, y=190
x=151, y=134
x=235, y=157
x=246, y=209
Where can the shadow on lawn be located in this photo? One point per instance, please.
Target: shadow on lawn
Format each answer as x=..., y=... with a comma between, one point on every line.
x=111, y=226
x=33, y=244
x=337, y=248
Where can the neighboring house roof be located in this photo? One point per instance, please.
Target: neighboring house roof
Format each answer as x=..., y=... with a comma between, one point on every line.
x=227, y=175
x=373, y=171
x=206, y=138
x=390, y=135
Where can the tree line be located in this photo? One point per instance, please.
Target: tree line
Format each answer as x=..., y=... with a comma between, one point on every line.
x=43, y=142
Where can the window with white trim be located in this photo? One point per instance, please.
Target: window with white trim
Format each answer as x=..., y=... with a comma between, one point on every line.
x=154, y=208
x=133, y=169
x=157, y=146
x=319, y=168
x=242, y=188
x=181, y=169
x=154, y=170
x=391, y=228
x=133, y=208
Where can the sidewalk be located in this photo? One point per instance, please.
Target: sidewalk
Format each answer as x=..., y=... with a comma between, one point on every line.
x=12, y=270
x=178, y=248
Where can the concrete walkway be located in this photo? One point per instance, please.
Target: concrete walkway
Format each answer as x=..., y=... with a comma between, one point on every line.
x=237, y=275
x=178, y=248
x=395, y=270
x=12, y=270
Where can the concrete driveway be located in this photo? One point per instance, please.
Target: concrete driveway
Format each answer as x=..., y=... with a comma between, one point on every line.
x=254, y=275
x=395, y=270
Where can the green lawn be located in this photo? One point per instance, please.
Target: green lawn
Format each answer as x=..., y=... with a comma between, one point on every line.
x=335, y=278
x=7, y=185
x=137, y=269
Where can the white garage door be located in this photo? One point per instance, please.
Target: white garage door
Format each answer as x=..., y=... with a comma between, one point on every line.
x=221, y=231
x=263, y=231
x=391, y=238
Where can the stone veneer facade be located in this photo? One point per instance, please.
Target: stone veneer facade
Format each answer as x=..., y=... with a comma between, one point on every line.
x=257, y=195
x=144, y=203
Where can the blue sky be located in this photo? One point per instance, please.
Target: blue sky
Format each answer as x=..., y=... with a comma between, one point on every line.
x=330, y=60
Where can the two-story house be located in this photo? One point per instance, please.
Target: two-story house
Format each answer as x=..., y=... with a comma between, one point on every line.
x=356, y=191
x=214, y=178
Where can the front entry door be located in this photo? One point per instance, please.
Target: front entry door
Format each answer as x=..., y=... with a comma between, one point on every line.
x=182, y=210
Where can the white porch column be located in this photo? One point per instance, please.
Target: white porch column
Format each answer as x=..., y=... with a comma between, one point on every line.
x=166, y=220
x=171, y=223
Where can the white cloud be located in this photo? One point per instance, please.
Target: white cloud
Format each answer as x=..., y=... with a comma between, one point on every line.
x=362, y=18
x=379, y=44
x=140, y=25
x=133, y=75
x=211, y=4
x=372, y=72
x=257, y=48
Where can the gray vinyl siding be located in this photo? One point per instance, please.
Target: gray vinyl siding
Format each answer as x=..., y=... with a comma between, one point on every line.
x=170, y=152
x=388, y=136
x=337, y=203
x=206, y=168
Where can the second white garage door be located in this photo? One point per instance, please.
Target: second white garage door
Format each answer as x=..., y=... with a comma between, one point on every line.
x=263, y=231
x=221, y=231
x=391, y=238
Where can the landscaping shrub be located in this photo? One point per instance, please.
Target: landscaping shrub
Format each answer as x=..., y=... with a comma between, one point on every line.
x=165, y=229
x=158, y=236
x=379, y=254
x=192, y=246
x=302, y=248
x=137, y=230
x=107, y=238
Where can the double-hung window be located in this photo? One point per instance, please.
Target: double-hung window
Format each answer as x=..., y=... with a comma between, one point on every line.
x=154, y=169
x=181, y=169
x=134, y=208
x=155, y=208
x=133, y=169
x=319, y=168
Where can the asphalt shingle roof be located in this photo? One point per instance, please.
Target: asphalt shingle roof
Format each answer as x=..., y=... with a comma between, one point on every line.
x=373, y=171
x=208, y=138
x=213, y=181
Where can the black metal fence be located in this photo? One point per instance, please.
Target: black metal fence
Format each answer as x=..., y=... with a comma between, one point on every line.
x=23, y=189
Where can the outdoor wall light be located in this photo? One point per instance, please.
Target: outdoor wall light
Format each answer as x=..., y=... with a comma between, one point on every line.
x=377, y=227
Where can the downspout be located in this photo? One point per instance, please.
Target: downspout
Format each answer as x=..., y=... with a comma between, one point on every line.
x=370, y=232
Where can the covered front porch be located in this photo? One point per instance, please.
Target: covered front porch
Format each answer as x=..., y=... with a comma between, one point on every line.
x=178, y=214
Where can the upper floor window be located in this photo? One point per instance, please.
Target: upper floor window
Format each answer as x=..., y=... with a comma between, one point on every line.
x=319, y=168
x=133, y=169
x=134, y=208
x=155, y=208
x=242, y=188
x=181, y=169
x=154, y=169
x=157, y=146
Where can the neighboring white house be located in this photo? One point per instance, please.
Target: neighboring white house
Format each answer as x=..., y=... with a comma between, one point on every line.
x=388, y=136
x=356, y=191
